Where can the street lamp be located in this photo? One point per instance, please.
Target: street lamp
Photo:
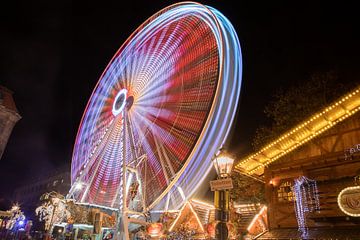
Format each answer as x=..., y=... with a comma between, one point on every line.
x=223, y=166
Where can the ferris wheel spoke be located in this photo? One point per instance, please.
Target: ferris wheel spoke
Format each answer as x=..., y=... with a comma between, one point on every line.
x=101, y=189
x=165, y=47
x=159, y=79
x=154, y=159
x=143, y=60
x=151, y=49
x=140, y=128
x=137, y=79
x=136, y=134
x=92, y=152
x=161, y=133
x=163, y=151
x=97, y=135
x=96, y=166
x=161, y=160
x=185, y=66
x=113, y=75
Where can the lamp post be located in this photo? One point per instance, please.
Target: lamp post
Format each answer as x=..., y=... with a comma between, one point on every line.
x=223, y=166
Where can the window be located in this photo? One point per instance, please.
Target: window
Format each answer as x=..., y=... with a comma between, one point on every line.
x=285, y=192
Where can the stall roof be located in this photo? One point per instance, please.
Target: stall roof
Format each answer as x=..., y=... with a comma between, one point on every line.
x=301, y=134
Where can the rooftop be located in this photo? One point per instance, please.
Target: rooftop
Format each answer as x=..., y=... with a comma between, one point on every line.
x=7, y=100
x=301, y=134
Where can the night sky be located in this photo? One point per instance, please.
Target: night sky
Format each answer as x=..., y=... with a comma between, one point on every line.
x=53, y=52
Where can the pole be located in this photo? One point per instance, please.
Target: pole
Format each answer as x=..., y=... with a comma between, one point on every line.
x=222, y=199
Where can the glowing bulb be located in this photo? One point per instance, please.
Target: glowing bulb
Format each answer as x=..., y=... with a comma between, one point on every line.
x=78, y=186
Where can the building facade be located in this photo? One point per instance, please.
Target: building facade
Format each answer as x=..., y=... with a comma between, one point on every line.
x=330, y=162
x=28, y=196
x=9, y=115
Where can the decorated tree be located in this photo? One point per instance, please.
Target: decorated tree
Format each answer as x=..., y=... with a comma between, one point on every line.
x=246, y=189
x=17, y=216
x=52, y=210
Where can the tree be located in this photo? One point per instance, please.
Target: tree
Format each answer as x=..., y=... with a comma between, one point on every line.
x=289, y=108
x=52, y=210
x=246, y=189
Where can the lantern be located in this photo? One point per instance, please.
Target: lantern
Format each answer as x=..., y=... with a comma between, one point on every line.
x=223, y=165
x=154, y=229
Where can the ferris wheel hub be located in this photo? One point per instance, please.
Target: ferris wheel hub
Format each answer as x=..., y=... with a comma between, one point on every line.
x=119, y=102
x=129, y=102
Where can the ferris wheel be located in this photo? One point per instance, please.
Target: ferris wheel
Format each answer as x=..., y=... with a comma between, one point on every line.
x=160, y=112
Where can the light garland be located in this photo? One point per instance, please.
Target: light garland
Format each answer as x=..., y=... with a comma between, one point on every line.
x=16, y=216
x=178, y=217
x=304, y=132
x=205, y=204
x=97, y=206
x=52, y=212
x=256, y=217
x=306, y=200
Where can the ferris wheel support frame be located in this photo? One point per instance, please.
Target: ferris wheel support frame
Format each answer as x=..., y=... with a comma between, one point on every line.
x=126, y=216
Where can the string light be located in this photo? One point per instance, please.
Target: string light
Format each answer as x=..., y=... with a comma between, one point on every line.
x=181, y=211
x=304, y=132
x=257, y=216
x=306, y=200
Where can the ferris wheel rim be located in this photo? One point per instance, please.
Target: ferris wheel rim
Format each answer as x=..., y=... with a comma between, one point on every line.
x=212, y=109
x=221, y=48
x=131, y=37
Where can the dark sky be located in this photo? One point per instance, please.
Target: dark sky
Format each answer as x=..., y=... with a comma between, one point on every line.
x=53, y=52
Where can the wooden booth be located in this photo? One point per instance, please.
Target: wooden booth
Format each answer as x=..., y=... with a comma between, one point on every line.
x=307, y=168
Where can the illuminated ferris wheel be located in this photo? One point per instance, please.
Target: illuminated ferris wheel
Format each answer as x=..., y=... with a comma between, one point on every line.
x=161, y=110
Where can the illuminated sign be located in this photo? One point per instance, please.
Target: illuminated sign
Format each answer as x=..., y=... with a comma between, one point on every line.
x=349, y=201
x=221, y=184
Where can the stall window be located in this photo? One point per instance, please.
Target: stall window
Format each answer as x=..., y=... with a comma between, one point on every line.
x=285, y=192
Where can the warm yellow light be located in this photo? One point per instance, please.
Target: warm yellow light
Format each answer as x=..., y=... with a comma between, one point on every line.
x=256, y=217
x=223, y=165
x=78, y=186
x=339, y=199
x=208, y=205
x=178, y=217
x=314, y=126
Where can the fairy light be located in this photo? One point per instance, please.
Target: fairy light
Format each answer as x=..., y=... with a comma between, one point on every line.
x=304, y=132
x=256, y=217
x=306, y=200
x=197, y=217
x=205, y=204
x=178, y=217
